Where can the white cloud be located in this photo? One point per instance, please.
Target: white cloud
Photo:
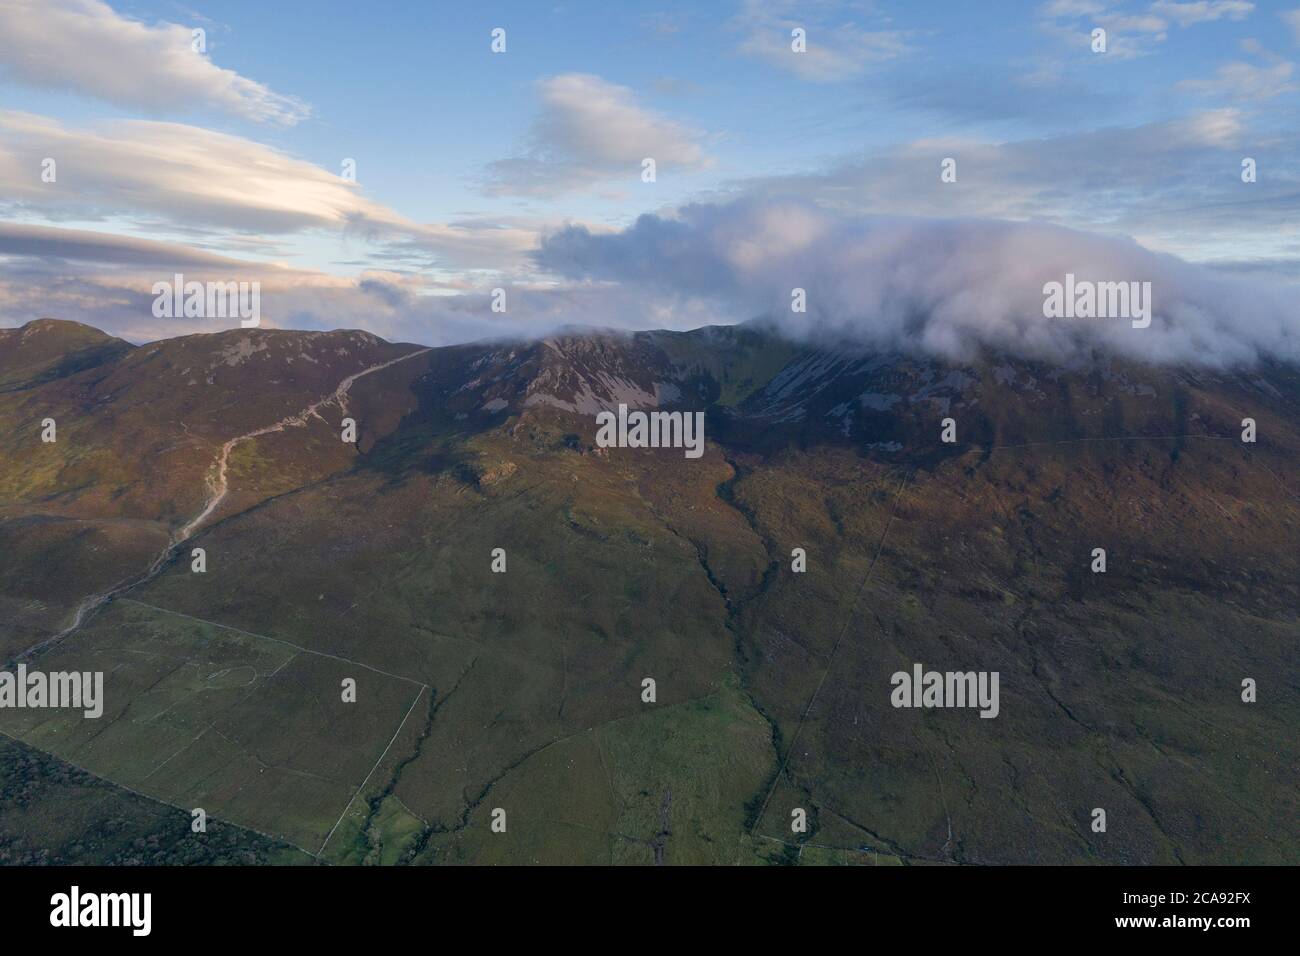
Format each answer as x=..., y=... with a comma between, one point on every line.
x=1132, y=32
x=935, y=286
x=195, y=179
x=1244, y=81
x=1292, y=19
x=1071, y=8
x=1213, y=128
x=835, y=50
x=87, y=48
x=1139, y=23
x=940, y=287
x=1203, y=11
x=1174, y=182
x=591, y=131
x=188, y=174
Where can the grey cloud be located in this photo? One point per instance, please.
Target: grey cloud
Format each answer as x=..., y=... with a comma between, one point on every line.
x=46, y=242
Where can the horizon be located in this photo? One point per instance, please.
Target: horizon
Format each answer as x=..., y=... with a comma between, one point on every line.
x=195, y=142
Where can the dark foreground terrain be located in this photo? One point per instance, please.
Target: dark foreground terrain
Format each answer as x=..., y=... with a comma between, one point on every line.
x=522, y=691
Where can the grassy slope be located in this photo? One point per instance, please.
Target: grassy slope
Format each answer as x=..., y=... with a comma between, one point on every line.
x=1118, y=691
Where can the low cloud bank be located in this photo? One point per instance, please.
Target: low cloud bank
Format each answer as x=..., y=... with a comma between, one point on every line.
x=938, y=287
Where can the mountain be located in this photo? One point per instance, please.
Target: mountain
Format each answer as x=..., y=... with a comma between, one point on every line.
x=479, y=691
x=48, y=349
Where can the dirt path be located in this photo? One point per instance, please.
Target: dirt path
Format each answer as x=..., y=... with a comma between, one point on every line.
x=218, y=486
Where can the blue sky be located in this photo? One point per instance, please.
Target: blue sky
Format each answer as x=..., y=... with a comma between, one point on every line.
x=469, y=163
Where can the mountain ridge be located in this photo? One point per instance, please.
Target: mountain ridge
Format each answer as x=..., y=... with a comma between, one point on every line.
x=626, y=563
